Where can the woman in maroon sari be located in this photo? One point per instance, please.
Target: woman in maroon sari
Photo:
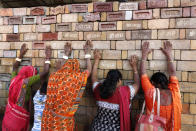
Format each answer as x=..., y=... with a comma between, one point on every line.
x=17, y=114
x=113, y=99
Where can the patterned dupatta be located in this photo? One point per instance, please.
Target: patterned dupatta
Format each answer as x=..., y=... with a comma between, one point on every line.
x=16, y=116
x=65, y=89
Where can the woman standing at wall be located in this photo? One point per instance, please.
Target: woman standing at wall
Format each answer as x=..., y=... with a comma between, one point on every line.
x=113, y=99
x=171, y=107
x=17, y=114
x=65, y=88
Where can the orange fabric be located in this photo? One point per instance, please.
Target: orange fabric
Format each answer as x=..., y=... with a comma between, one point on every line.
x=65, y=89
x=165, y=111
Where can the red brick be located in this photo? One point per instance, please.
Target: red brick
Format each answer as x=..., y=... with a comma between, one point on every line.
x=142, y=14
x=171, y=12
x=38, y=45
x=186, y=12
x=103, y=7
x=115, y=16
x=15, y=20
x=79, y=8
x=185, y=108
x=84, y=26
x=37, y=11
x=193, y=11
x=6, y=12
x=157, y=3
x=107, y=26
x=91, y=17
x=13, y=37
x=142, y=5
x=50, y=36
x=49, y=20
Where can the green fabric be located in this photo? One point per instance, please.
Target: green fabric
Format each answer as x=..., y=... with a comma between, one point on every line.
x=32, y=80
x=13, y=74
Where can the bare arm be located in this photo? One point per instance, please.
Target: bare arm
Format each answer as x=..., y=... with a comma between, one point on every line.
x=145, y=52
x=134, y=64
x=167, y=50
x=48, y=53
x=23, y=51
x=87, y=50
x=97, y=57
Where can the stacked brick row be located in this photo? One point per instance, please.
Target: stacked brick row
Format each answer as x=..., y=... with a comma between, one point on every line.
x=117, y=29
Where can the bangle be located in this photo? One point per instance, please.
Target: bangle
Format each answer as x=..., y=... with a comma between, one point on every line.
x=144, y=60
x=47, y=62
x=171, y=61
x=135, y=72
x=87, y=56
x=18, y=59
x=65, y=57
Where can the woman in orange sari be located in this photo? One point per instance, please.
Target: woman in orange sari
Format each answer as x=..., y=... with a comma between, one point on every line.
x=170, y=107
x=65, y=89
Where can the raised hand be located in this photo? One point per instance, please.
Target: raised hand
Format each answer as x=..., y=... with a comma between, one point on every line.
x=145, y=50
x=134, y=62
x=67, y=49
x=48, y=52
x=58, y=64
x=97, y=55
x=23, y=50
x=87, y=47
x=167, y=50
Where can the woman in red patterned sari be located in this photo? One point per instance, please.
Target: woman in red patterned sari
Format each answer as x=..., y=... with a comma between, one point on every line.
x=65, y=89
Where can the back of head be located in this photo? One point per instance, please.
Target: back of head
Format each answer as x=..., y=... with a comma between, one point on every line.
x=43, y=88
x=109, y=85
x=159, y=80
x=27, y=71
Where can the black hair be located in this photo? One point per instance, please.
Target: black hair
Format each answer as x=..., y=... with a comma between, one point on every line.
x=109, y=85
x=160, y=79
x=43, y=88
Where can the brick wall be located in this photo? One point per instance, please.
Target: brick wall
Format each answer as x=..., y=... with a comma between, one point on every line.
x=119, y=30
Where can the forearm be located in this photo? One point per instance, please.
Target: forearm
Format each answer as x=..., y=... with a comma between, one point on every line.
x=143, y=65
x=94, y=73
x=16, y=65
x=171, y=68
x=89, y=66
x=136, y=77
x=46, y=70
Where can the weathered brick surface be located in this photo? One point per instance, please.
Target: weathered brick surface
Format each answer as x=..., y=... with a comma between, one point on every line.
x=37, y=11
x=57, y=10
x=171, y=13
x=157, y=3
x=115, y=35
x=43, y=28
x=125, y=45
x=115, y=16
x=84, y=27
x=50, y=36
x=128, y=6
x=69, y=18
x=186, y=23
x=70, y=36
x=15, y=20
x=142, y=14
x=107, y=26
x=79, y=8
x=49, y=20
x=6, y=12
x=141, y=34
x=104, y=7
x=110, y=54
x=13, y=37
x=168, y=34
x=132, y=25
x=158, y=24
